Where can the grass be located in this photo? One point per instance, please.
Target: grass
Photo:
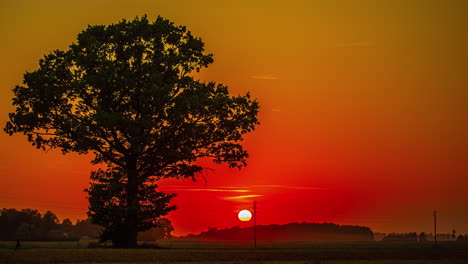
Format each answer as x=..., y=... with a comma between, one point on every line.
x=229, y=253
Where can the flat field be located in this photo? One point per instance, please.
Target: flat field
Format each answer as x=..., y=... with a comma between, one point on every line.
x=228, y=253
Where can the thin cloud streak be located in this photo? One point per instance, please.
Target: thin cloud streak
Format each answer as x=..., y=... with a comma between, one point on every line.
x=287, y=187
x=241, y=189
x=265, y=77
x=212, y=190
x=242, y=196
x=220, y=189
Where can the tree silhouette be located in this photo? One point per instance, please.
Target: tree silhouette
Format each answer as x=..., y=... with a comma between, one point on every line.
x=422, y=237
x=162, y=232
x=29, y=224
x=125, y=93
x=108, y=206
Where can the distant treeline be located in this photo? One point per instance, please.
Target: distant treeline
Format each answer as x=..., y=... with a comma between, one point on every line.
x=289, y=232
x=29, y=224
x=422, y=237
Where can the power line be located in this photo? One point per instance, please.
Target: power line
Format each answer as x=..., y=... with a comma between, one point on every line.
x=435, y=228
x=255, y=224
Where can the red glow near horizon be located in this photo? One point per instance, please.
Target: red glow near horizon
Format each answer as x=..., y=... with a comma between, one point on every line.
x=363, y=111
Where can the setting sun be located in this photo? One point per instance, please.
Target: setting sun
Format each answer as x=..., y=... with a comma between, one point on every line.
x=245, y=215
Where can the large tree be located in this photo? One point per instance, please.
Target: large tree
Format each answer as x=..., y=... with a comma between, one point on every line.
x=126, y=93
x=108, y=205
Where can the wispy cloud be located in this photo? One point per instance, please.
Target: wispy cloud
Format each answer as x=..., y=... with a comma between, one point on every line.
x=356, y=44
x=241, y=189
x=275, y=110
x=242, y=196
x=211, y=190
x=286, y=187
x=265, y=77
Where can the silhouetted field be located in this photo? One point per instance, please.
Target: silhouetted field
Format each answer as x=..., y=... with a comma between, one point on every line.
x=195, y=252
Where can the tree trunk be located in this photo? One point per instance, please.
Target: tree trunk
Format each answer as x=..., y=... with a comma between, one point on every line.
x=132, y=204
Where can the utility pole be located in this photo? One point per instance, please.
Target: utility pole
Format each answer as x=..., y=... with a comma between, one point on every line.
x=435, y=228
x=255, y=224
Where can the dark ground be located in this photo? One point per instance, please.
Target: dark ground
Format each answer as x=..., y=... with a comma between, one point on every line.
x=195, y=252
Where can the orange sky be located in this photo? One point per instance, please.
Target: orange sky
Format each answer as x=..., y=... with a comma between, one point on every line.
x=363, y=110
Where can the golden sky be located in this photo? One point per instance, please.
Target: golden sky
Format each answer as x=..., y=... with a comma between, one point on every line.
x=364, y=116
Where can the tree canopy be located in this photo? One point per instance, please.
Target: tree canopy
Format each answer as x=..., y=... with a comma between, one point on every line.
x=29, y=224
x=126, y=93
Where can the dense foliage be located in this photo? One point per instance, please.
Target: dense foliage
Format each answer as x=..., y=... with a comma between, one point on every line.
x=125, y=92
x=29, y=224
x=162, y=232
x=107, y=206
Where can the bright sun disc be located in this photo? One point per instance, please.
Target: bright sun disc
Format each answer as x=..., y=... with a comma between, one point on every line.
x=245, y=215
